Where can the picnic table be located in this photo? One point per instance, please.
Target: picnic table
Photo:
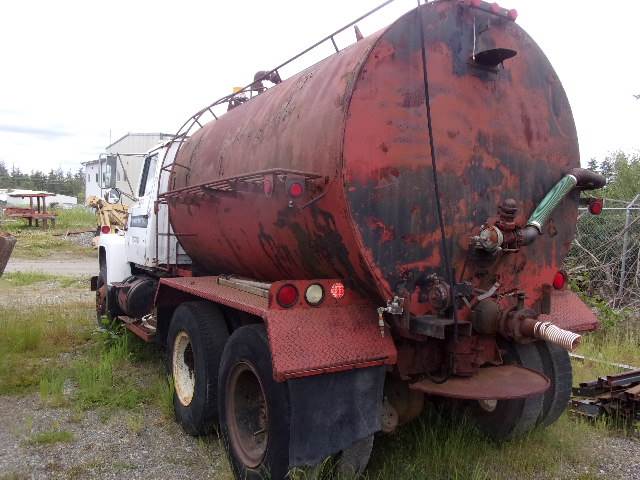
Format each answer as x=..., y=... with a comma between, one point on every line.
x=39, y=213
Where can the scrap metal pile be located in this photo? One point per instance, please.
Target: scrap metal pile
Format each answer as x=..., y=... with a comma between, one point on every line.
x=616, y=396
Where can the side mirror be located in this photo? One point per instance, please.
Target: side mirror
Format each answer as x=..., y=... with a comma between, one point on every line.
x=112, y=196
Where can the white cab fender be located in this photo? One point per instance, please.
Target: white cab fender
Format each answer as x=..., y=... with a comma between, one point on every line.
x=115, y=256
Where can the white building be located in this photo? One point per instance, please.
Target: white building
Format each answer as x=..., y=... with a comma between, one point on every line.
x=120, y=165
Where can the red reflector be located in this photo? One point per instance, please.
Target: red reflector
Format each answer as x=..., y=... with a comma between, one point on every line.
x=337, y=290
x=268, y=186
x=105, y=229
x=495, y=8
x=559, y=280
x=296, y=189
x=475, y=3
x=513, y=14
x=596, y=205
x=287, y=296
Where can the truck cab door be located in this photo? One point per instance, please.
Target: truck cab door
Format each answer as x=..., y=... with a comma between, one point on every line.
x=141, y=234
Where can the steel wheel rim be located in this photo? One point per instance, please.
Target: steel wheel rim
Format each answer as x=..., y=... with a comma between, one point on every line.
x=247, y=415
x=184, y=374
x=488, y=405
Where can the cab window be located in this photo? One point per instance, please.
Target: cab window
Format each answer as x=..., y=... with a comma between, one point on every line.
x=148, y=173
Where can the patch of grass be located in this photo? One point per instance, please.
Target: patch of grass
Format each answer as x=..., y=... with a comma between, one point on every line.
x=39, y=244
x=50, y=437
x=21, y=279
x=31, y=339
x=438, y=446
x=619, y=343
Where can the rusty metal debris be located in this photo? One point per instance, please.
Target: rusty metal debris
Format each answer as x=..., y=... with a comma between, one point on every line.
x=7, y=242
x=614, y=396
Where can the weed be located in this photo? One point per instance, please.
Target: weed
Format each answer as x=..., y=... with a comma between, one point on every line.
x=31, y=339
x=38, y=243
x=52, y=387
x=50, y=437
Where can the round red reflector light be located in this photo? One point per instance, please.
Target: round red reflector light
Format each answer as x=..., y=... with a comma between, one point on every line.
x=287, y=296
x=595, y=206
x=513, y=14
x=296, y=189
x=337, y=290
x=559, y=280
x=475, y=3
x=495, y=8
x=105, y=229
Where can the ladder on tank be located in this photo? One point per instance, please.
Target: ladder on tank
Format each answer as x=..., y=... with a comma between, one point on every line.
x=206, y=115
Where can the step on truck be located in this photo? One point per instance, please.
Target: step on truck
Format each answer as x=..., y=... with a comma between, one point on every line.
x=322, y=253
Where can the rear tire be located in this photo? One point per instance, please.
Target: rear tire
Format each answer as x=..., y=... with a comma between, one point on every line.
x=196, y=339
x=353, y=460
x=505, y=419
x=557, y=366
x=254, y=408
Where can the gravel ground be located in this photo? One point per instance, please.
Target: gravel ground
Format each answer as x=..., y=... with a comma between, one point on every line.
x=56, y=295
x=126, y=445
x=75, y=266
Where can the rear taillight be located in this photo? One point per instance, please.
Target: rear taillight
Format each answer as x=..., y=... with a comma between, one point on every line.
x=596, y=205
x=559, y=280
x=296, y=190
x=287, y=296
x=337, y=290
x=512, y=14
x=105, y=229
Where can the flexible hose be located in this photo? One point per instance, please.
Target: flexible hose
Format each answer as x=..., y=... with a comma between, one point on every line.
x=554, y=334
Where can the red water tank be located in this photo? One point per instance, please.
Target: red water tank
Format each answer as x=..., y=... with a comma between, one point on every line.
x=354, y=128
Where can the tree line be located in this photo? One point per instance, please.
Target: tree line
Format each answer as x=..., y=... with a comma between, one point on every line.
x=55, y=181
x=622, y=171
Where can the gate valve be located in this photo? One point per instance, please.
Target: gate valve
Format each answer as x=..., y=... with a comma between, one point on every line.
x=394, y=307
x=493, y=238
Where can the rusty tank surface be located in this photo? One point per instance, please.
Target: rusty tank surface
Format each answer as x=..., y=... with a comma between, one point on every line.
x=345, y=183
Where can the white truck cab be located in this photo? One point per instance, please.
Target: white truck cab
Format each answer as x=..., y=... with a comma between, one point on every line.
x=123, y=252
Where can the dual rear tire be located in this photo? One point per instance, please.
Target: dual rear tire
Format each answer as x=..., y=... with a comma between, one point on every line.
x=228, y=380
x=506, y=419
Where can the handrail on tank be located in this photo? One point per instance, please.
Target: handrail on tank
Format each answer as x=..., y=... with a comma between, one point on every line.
x=185, y=128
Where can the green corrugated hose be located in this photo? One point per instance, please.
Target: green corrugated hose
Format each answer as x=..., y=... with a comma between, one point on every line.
x=550, y=201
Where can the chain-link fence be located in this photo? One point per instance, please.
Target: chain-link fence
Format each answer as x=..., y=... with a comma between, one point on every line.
x=605, y=257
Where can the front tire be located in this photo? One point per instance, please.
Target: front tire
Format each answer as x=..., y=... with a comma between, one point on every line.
x=195, y=342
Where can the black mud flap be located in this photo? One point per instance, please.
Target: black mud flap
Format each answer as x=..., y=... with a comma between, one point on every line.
x=94, y=283
x=330, y=412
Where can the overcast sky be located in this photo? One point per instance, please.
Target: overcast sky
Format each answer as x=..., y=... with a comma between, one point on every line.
x=75, y=74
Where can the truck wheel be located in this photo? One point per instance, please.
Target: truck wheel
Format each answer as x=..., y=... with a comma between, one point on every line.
x=557, y=366
x=254, y=408
x=196, y=339
x=505, y=419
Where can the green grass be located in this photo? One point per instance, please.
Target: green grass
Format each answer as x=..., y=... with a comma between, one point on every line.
x=21, y=279
x=40, y=243
x=50, y=437
x=32, y=338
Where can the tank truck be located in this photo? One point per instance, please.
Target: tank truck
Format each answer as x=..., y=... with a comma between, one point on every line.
x=320, y=254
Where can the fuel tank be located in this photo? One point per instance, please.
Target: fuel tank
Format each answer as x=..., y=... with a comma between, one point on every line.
x=355, y=128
